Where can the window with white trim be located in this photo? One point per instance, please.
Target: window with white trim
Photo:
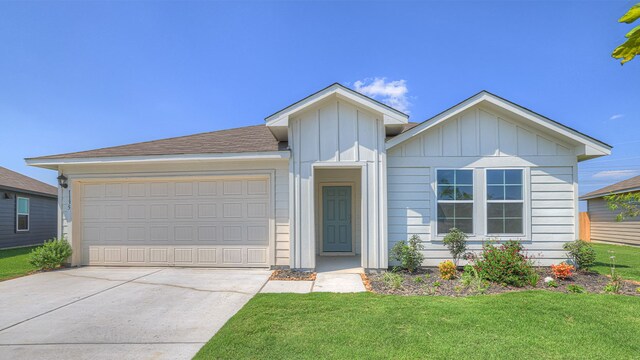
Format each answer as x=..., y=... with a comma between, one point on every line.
x=505, y=202
x=455, y=200
x=22, y=214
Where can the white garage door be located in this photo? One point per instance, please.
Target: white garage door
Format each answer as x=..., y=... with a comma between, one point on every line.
x=189, y=222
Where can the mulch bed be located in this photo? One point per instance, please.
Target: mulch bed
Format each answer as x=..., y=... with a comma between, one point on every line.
x=293, y=275
x=591, y=282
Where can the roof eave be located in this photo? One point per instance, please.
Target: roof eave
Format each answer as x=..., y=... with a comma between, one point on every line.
x=26, y=191
x=603, y=194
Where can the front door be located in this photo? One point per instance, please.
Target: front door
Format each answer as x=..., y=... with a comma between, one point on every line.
x=336, y=219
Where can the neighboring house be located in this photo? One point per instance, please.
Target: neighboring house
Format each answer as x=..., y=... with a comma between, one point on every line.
x=336, y=173
x=604, y=227
x=28, y=210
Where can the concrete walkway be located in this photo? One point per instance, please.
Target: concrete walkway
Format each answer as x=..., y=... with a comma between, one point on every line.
x=120, y=313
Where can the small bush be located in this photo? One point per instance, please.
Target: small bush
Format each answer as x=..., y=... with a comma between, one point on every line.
x=392, y=280
x=576, y=289
x=552, y=283
x=52, y=254
x=447, y=270
x=471, y=278
x=456, y=242
x=408, y=253
x=562, y=271
x=505, y=264
x=581, y=253
x=533, y=279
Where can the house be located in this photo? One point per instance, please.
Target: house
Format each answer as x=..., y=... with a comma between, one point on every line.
x=334, y=174
x=28, y=210
x=603, y=224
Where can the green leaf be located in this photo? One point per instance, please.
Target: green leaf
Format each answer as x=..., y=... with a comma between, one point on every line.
x=632, y=15
x=630, y=48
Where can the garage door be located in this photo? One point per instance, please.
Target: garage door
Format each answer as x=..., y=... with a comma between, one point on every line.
x=189, y=222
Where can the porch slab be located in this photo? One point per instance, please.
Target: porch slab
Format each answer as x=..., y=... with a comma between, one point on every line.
x=283, y=286
x=338, y=283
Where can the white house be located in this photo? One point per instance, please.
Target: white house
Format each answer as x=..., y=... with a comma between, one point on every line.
x=335, y=174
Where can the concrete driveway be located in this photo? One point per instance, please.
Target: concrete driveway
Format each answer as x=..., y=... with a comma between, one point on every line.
x=120, y=313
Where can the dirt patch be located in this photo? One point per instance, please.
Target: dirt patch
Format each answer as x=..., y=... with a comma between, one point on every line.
x=428, y=282
x=293, y=275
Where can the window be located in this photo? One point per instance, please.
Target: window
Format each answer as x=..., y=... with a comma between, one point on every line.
x=505, y=202
x=22, y=214
x=455, y=200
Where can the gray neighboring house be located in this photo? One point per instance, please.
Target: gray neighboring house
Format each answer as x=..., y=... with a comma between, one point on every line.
x=28, y=210
x=604, y=227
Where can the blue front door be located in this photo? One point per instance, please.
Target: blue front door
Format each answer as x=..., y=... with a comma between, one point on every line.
x=336, y=219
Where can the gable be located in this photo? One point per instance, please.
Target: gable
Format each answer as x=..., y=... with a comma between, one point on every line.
x=479, y=131
x=583, y=146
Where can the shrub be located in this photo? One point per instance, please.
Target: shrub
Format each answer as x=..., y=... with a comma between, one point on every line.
x=552, y=283
x=577, y=289
x=408, y=253
x=505, y=264
x=456, y=242
x=471, y=278
x=562, y=270
x=392, y=280
x=52, y=254
x=447, y=270
x=533, y=279
x=581, y=253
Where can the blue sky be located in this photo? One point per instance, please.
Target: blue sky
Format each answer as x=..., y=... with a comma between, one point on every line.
x=76, y=76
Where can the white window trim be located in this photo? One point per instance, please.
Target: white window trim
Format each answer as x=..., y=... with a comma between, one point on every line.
x=524, y=201
x=436, y=234
x=19, y=213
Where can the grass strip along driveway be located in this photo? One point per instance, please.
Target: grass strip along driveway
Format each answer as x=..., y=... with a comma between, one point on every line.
x=531, y=324
x=15, y=262
x=627, y=260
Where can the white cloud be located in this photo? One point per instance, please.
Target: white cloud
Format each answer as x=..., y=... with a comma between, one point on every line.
x=616, y=116
x=392, y=93
x=616, y=174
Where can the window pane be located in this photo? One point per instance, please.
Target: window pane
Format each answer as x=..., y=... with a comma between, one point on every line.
x=513, y=177
x=464, y=211
x=465, y=225
x=495, y=210
x=513, y=192
x=513, y=226
x=445, y=211
x=495, y=192
x=513, y=210
x=23, y=222
x=445, y=192
x=445, y=176
x=495, y=226
x=495, y=177
x=23, y=206
x=464, y=193
x=444, y=226
x=464, y=177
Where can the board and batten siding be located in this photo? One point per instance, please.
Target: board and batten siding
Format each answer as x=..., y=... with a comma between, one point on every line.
x=42, y=220
x=605, y=228
x=279, y=169
x=340, y=135
x=479, y=140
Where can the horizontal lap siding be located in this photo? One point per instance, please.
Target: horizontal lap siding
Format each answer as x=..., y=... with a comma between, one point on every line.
x=552, y=212
x=43, y=217
x=409, y=204
x=605, y=228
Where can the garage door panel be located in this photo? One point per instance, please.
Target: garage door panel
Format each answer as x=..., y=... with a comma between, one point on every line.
x=218, y=222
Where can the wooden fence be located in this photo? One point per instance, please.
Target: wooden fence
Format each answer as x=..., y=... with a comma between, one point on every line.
x=585, y=226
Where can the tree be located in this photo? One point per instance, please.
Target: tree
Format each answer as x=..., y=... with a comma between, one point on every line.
x=630, y=48
x=628, y=203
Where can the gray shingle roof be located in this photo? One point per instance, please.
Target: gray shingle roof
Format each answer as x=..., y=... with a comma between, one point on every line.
x=16, y=181
x=629, y=184
x=255, y=138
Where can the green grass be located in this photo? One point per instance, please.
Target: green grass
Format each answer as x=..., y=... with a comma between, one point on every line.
x=627, y=260
x=14, y=263
x=532, y=324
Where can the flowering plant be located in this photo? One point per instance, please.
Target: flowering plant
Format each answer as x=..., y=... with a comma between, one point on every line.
x=506, y=264
x=562, y=270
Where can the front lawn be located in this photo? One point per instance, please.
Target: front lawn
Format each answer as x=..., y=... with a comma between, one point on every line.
x=627, y=260
x=15, y=262
x=531, y=324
